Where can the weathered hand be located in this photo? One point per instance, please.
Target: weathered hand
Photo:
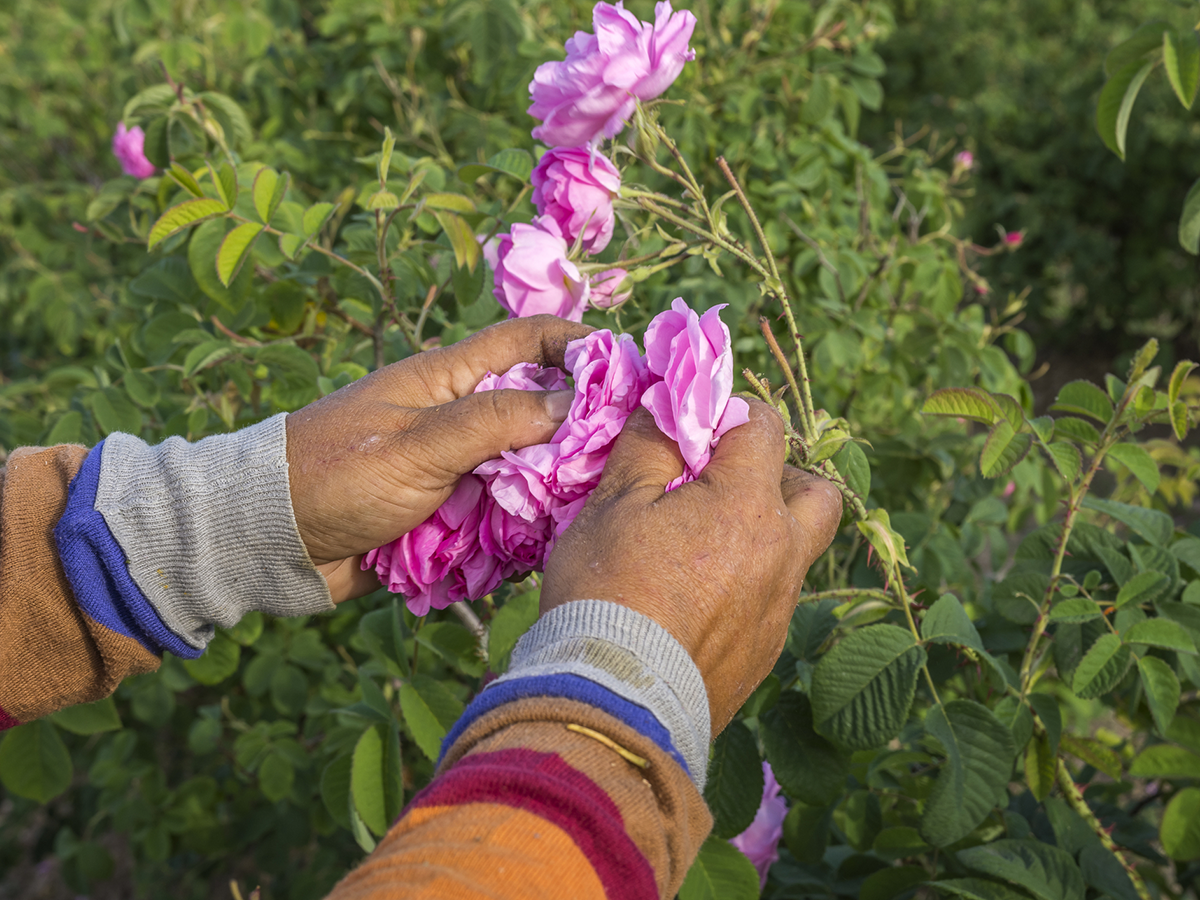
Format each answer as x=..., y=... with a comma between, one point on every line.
x=717, y=562
x=376, y=458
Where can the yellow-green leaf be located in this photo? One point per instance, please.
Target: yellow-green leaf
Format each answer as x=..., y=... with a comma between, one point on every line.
x=185, y=180
x=453, y=202
x=268, y=191
x=315, y=217
x=183, y=216
x=961, y=403
x=235, y=249
x=462, y=239
x=1040, y=766
x=1181, y=59
x=1189, y=220
x=225, y=181
x=383, y=201
x=1139, y=462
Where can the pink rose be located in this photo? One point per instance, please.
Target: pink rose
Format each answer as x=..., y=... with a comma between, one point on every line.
x=533, y=274
x=518, y=545
x=524, y=377
x=1014, y=239
x=964, y=160
x=127, y=148
x=609, y=288
x=575, y=188
x=693, y=404
x=760, y=842
x=592, y=93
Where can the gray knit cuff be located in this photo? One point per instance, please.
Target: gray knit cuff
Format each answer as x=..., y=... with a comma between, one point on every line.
x=631, y=655
x=207, y=528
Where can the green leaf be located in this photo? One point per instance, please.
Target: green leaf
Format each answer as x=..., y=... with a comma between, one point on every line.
x=335, y=789
x=225, y=181
x=1146, y=39
x=385, y=155
x=1189, y=220
x=1104, y=872
x=34, y=762
x=1143, y=587
x=1180, y=830
x=1075, y=610
x=1150, y=525
x=268, y=191
x=1050, y=715
x=1165, y=761
x=1161, y=687
x=177, y=218
x=1084, y=398
x=806, y=831
x=1102, y=667
x=1116, y=104
x=1019, y=596
x=291, y=244
x=877, y=528
x=514, y=619
x=807, y=766
x=1183, y=369
x=248, y=630
x=735, y=781
x=218, y=662
x=514, y=162
x=1094, y=754
x=862, y=688
x=289, y=690
x=851, y=463
x=235, y=249
x=429, y=711
x=720, y=872
x=1163, y=633
x=962, y=403
x=202, y=253
x=1076, y=429
x=1040, y=767
x=462, y=239
x=141, y=388
x=979, y=751
x=276, y=776
x=458, y=203
x=204, y=355
x=1181, y=59
x=185, y=180
x=366, y=781
x=1010, y=409
x=891, y=882
x=89, y=718
x=115, y=412
x=455, y=644
x=946, y=622
x=383, y=201
x=1048, y=873
x=168, y=279
x=1138, y=461
x=315, y=218
x=1066, y=459
x=1002, y=450
x=899, y=842
x=978, y=889
x=294, y=373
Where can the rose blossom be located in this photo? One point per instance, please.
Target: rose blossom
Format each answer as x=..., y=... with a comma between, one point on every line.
x=127, y=147
x=965, y=160
x=592, y=93
x=604, y=291
x=1014, y=239
x=576, y=188
x=693, y=404
x=533, y=274
x=760, y=842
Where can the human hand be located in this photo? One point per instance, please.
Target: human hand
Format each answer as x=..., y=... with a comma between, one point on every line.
x=373, y=460
x=718, y=562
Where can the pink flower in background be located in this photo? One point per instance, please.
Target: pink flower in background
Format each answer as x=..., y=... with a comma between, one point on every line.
x=692, y=404
x=576, y=188
x=964, y=160
x=127, y=147
x=605, y=292
x=1014, y=239
x=592, y=93
x=760, y=842
x=533, y=275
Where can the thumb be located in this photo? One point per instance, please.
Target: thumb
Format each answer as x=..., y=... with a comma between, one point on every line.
x=642, y=456
x=460, y=435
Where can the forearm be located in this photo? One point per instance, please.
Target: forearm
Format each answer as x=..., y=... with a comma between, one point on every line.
x=565, y=778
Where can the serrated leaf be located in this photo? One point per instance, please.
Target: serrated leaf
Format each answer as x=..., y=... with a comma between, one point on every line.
x=862, y=688
x=961, y=403
x=720, y=872
x=1179, y=419
x=462, y=239
x=946, y=622
x=224, y=180
x=1043, y=427
x=807, y=766
x=1084, y=398
x=315, y=218
x=1180, y=830
x=1189, y=220
x=1182, y=370
x=894, y=881
x=383, y=201
x=1142, y=361
x=1116, y=104
x=235, y=249
x=1145, y=587
x=1002, y=450
x=1010, y=409
x=979, y=750
x=385, y=155
x=1049, y=873
x=185, y=179
x=268, y=191
x=1181, y=59
x=1066, y=459
x=429, y=711
x=1161, y=687
x=1139, y=462
x=1165, y=761
x=34, y=762
x=1150, y=525
x=89, y=718
x=1102, y=667
x=1094, y=754
x=978, y=889
x=515, y=162
x=177, y=218
x=851, y=463
x=366, y=781
x=1050, y=716
x=1104, y=872
x=1040, y=767
x=203, y=246
x=1162, y=633
x=1076, y=610
x=877, y=528
x=734, y=787
x=1076, y=429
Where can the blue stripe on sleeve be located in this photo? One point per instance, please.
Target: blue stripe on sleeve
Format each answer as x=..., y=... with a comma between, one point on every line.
x=95, y=566
x=572, y=687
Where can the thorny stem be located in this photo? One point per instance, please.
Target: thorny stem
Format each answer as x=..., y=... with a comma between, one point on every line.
x=849, y=594
x=1076, y=801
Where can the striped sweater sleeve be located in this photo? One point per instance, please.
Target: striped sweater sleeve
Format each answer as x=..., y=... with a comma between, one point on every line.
x=110, y=557
x=576, y=775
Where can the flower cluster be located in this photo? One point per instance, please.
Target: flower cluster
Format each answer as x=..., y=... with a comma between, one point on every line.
x=589, y=96
x=503, y=519
x=760, y=842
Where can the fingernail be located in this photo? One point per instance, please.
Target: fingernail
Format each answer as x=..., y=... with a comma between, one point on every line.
x=558, y=404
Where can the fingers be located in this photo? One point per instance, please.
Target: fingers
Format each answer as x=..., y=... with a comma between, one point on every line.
x=456, y=437
x=454, y=371
x=751, y=454
x=642, y=456
x=816, y=505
